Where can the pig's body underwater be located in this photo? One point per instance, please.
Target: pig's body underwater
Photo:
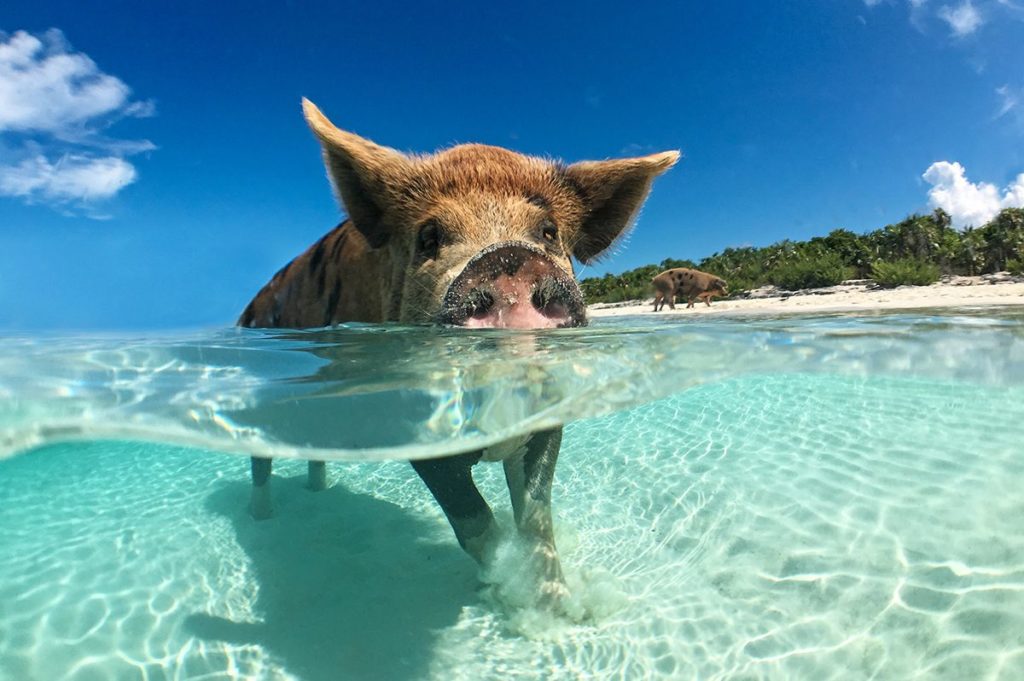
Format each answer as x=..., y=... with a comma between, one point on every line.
x=473, y=236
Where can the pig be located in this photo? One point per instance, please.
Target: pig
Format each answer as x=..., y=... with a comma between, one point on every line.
x=691, y=284
x=472, y=236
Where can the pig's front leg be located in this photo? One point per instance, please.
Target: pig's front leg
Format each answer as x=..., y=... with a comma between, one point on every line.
x=450, y=480
x=529, y=476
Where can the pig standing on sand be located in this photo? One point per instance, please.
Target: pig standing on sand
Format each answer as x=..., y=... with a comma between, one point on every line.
x=691, y=284
x=473, y=236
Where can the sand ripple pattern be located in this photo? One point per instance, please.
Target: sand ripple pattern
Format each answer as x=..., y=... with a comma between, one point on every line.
x=774, y=526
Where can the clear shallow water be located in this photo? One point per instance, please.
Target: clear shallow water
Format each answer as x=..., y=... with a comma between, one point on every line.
x=849, y=507
x=324, y=393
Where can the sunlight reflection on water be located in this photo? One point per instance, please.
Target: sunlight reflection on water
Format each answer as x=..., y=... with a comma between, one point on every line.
x=826, y=498
x=327, y=393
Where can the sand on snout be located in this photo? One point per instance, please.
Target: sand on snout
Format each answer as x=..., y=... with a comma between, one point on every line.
x=851, y=296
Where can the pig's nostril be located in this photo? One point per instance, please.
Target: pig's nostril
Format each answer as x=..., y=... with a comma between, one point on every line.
x=478, y=303
x=549, y=299
x=540, y=297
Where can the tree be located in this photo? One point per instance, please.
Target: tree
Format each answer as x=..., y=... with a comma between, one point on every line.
x=971, y=259
x=1004, y=239
x=851, y=249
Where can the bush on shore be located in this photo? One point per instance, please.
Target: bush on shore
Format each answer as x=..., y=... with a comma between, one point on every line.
x=905, y=272
x=825, y=270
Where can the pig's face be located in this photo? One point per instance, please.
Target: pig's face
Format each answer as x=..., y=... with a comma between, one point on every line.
x=481, y=236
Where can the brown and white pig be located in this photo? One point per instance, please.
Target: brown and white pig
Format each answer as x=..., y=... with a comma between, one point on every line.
x=474, y=236
x=691, y=284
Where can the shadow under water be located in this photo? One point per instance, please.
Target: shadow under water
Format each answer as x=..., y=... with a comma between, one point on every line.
x=820, y=498
x=349, y=586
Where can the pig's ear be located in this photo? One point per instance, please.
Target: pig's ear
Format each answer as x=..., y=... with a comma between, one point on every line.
x=612, y=193
x=365, y=175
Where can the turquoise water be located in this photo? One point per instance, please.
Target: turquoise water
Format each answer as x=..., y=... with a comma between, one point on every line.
x=808, y=498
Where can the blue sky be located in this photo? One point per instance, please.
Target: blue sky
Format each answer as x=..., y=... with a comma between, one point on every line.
x=155, y=169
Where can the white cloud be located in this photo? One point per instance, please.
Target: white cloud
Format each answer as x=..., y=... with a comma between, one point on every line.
x=969, y=203
x=961, y=17
x=71, y=178
x=964, y=19
x=55, y=104
x=1009, y=99
x=1013, y=196
x=146, y=109
x=43, y=87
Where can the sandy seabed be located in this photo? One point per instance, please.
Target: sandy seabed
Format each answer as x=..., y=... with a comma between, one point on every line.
x=850, y=296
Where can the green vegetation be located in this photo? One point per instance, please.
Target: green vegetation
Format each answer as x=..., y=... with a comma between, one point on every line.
x=929, y=242
x=905, y=272
x=631, y=285
x=816, y=271
x=1015, y=266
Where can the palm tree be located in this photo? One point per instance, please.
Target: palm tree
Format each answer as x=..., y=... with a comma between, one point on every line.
x=1004, y=238
x=972, y=251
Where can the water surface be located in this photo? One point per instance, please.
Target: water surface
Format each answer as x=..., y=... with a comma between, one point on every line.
x=833, y=497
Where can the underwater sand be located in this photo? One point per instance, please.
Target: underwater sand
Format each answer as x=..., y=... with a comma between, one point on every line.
x=861, y=523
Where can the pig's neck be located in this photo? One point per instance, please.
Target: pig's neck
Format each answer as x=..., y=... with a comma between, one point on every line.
x=338, y=279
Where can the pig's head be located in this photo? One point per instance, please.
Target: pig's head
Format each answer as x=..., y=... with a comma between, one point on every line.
x=482, y=236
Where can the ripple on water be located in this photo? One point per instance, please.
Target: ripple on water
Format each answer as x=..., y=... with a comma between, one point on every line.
x=768, y=527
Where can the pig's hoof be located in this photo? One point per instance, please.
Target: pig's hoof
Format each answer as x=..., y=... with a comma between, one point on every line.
x=553, y=596
x=259, y=503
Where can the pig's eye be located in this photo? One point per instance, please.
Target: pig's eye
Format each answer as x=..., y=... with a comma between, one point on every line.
x=428, y=241
x=549, y=231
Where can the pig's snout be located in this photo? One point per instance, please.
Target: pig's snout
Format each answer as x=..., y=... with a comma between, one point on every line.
x=515, y=286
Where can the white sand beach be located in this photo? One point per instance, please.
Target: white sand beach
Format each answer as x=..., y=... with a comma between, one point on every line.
x=851, y=296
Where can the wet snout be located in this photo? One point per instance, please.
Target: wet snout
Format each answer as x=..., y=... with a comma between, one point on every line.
x=516, y=286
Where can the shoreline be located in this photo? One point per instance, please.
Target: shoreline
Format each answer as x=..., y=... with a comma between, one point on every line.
x=851, y=296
